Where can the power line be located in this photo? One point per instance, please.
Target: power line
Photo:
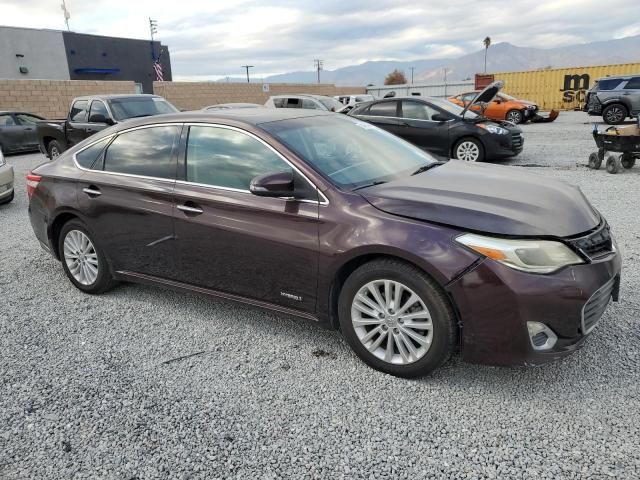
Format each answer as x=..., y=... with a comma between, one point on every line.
x=247, y=67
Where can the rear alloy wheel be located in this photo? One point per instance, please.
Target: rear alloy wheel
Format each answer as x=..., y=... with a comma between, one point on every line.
x=469, y=150
x=396, y=319
x=82, y=261
x=54, y=149
x=514, y=116
x=614, y=114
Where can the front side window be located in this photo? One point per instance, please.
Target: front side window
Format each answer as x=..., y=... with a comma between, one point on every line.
x=26, y=119
x=98, y=108
x=78, y=111
x=384, y=109
x=417, y=111
x=309, y=104
x=146, y=151
x=633, y=84
x=222, y=157
x=350, y=152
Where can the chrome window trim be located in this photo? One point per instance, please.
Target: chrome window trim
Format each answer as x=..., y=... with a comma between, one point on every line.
x=323, y=199
x=401, y=118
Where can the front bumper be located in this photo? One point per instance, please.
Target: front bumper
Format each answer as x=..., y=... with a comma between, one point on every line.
x=495, y=331
x=6, y=181
x=500, y=146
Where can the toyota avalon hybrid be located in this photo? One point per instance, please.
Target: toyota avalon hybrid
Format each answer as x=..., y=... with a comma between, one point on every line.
x=332, y=219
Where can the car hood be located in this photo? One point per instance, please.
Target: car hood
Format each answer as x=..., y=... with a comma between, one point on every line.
x=487, y=198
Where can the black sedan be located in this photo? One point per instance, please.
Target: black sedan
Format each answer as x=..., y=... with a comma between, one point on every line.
x=18, y=131
x=443, y=128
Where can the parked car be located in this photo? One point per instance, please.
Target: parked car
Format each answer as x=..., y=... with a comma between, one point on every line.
x=18, y=131
x=91, y=114
x=501, y=107
x=6, y=180
x=225, y=106
x=443, y=128
x=332, y=219
x=615, y=98
x=307, y=101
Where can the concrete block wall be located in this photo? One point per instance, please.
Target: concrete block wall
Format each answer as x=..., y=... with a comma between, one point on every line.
x=196, y=95
x=51, y=98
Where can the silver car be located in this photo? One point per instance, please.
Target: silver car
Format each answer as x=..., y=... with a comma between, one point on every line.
x=6, y=180
x=615, y=98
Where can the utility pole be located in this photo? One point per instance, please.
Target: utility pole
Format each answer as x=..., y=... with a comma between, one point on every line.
x=318, y=64
x=247, y=67
x=412, y=69
x=445, y=81
x=66, y=14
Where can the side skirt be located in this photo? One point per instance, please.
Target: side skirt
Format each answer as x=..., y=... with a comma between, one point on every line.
x=185, y=287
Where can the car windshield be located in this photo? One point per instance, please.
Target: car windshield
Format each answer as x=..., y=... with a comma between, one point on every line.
x=350, y=152
x=132, y=107
x=447, y=106
x=330, y=103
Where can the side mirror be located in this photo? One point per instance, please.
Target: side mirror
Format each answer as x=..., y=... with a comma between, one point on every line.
x=273, y=184
x=439, y=117
x=497, y=100
x=100, y=118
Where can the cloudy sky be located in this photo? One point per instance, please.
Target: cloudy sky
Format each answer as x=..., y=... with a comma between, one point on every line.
x=209, y=39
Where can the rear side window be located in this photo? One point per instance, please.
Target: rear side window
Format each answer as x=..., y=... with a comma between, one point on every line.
x=147, y=151
x=293, y=103
x=88, y=157
x=7, y=121
x=78, y=111
x=278, y=102
x=227, y=158
x=609, y=83
x=633, y=84
x=384, y=109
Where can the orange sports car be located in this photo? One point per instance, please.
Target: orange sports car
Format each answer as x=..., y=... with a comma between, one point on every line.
x=502, y=107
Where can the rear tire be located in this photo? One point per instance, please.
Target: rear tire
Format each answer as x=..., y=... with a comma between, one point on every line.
x=53, y=149
x=469, y=149
x=83, y=260
x=615, y=114
x=514, y=116
x=412, y=339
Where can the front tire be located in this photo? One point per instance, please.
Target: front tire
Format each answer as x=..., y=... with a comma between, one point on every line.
x=614, y=114
x=469, y=150
x=82, y=259
x=397, y=319
x=514, y=116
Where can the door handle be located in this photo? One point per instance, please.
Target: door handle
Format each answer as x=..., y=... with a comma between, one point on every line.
x=190, y=209
x=92, y=191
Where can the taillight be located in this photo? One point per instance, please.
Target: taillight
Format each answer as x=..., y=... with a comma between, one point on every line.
x=32, y=183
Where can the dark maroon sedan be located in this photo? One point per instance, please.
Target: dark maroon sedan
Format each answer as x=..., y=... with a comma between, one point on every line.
x=332, y=219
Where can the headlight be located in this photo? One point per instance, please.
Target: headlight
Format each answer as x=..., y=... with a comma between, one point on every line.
x=534, y=256
x=493, y=128
x=532, y=107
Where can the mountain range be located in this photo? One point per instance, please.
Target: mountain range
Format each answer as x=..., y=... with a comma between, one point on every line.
x=501, y=57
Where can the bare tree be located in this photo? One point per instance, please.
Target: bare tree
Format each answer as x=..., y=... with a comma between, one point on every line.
x=487, y=44
x=395, y=78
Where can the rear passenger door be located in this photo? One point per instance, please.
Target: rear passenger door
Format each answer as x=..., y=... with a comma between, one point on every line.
x=77, y=123
x=28, y=123
x=126, y=195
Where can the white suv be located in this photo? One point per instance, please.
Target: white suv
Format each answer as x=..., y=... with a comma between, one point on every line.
x=313, y=102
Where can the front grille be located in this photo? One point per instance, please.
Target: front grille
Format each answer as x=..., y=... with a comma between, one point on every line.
x=595, y=307
x=596, y=244
x=516, y=141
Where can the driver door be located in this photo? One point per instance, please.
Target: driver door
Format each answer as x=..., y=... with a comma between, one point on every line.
x=232, y=241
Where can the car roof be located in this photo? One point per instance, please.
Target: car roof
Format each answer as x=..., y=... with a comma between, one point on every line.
x=115, y=96
x=306, y=95
x=618, y=77
x=250, y=116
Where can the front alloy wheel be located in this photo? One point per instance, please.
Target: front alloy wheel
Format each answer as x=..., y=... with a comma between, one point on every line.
x=392, y=322
x=468, y=150
x=396, y=318
x=614, y=114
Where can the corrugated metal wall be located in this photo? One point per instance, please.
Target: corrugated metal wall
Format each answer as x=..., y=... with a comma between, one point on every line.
x=424, y=89
x=561, y=88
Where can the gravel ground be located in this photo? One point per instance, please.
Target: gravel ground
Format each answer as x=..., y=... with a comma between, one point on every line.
x=93, y=387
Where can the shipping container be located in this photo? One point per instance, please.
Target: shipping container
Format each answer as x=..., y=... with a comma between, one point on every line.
x=559, y=88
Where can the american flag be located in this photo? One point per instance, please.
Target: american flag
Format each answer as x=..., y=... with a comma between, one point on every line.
x=157, y=67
